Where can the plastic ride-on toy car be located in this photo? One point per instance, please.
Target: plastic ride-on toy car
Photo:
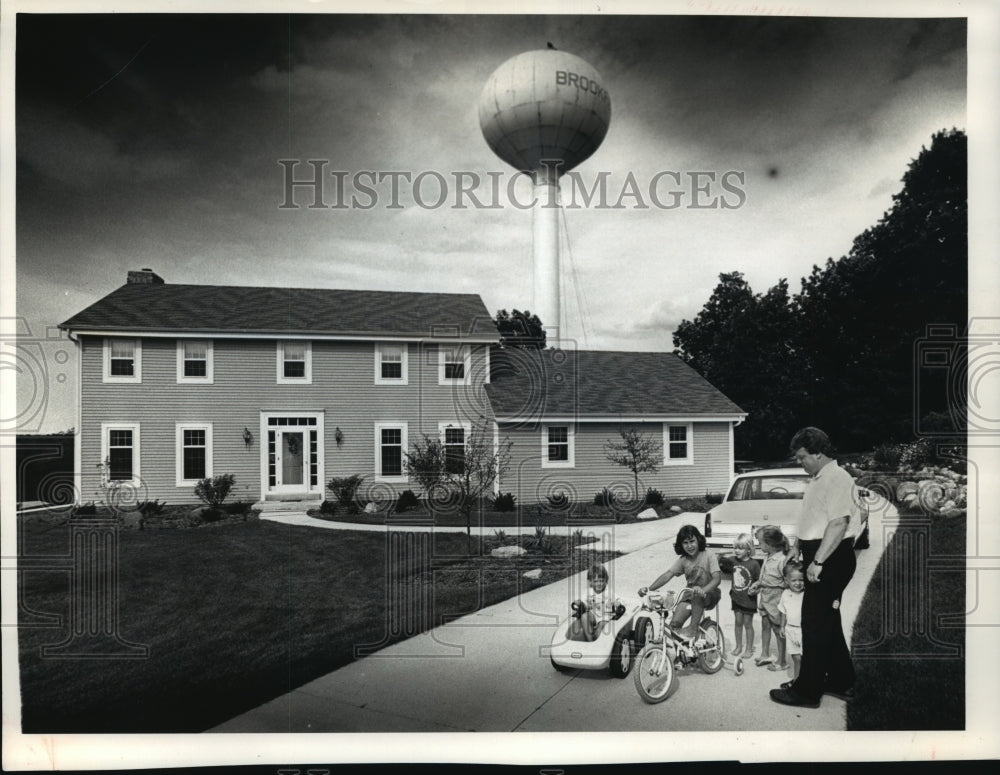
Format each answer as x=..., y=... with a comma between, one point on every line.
x=612, y=649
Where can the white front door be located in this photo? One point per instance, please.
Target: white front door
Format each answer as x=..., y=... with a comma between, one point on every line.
x=290, y=462
x=292, y=453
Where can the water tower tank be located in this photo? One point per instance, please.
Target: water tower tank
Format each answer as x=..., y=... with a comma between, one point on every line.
x=545, y=106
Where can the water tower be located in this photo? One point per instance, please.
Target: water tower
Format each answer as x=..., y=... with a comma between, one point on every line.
x=545, y=112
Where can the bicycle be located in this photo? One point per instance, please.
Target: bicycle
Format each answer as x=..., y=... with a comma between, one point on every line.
x=662, y=649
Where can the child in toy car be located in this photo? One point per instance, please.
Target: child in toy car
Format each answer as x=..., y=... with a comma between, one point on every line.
x=591, y=615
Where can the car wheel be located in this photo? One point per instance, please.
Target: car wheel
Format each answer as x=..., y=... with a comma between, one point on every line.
x=621, y=656
x=642, y=633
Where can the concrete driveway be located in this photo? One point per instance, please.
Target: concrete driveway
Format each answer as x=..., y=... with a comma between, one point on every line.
x=490, y=672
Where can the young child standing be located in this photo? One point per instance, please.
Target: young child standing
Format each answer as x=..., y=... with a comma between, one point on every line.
x=746, y=571
x=700, y=568
x=790, y=607
x=768, y=588
x=591, y=615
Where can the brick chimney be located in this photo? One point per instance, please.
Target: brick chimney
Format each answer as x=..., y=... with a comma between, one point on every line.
x=144, y=277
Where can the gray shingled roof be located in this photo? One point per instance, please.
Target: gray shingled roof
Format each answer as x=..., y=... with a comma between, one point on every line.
x=565, y=383
x=243, y=309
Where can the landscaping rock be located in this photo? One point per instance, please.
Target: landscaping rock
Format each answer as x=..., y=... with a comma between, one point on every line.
x=649, y=513
x=905, y=490
x=371, y=508
x=533, y=574
x=509, y=551
x=675, y=509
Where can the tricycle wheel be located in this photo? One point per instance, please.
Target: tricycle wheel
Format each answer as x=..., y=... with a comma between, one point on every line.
x=621, y=656
x=653, y=674
x=738, y=666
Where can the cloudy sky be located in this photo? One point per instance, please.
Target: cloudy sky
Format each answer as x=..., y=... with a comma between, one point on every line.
x=154, y=141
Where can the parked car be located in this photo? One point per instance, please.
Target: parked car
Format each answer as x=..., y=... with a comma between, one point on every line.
x=764, y=497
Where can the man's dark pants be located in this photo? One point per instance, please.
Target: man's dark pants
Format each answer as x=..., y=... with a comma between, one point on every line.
x=826, y=660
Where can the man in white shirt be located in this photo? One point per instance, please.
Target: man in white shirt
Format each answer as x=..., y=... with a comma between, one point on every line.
x=830, y=520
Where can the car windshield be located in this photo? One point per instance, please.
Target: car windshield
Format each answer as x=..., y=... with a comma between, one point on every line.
x=762, y=488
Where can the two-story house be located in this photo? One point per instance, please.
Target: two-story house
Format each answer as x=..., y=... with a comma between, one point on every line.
x=286, y=388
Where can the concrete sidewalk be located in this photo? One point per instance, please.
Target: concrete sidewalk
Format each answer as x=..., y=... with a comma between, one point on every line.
x=490, y=672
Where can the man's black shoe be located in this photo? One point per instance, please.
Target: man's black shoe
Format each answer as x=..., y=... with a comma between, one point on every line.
x=841, y=694
x=788, y=697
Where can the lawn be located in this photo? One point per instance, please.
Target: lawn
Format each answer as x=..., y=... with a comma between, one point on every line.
x=238, y=612
x=909, y=635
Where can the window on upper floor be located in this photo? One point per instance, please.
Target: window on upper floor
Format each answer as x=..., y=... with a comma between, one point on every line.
x=454, y=364
x=122, y=359
x=391, y=364
x=678, y=447
x=120, y=452
x=195, y=361
x=558, y=446
x=295, y=363
x=193, y=452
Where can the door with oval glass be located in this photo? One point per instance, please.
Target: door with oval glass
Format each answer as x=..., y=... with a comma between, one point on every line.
x=292, y=455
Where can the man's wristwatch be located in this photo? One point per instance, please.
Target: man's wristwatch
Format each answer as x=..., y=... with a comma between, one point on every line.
x=817, y=562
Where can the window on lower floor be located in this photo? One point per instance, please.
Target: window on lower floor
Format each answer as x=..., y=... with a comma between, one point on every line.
x=120, y=452
x=453, y=438
x=194, y=452
x=557, y=446
x=677, y=444
x=391, y=444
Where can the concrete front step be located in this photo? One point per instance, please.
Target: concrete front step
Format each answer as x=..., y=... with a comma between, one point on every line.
x=300, y=505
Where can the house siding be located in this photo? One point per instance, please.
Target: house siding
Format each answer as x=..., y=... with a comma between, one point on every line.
x=342, y=388
x=710, y=471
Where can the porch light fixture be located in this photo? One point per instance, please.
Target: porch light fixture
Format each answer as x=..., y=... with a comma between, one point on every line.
x=247, y=437
x=338, y=436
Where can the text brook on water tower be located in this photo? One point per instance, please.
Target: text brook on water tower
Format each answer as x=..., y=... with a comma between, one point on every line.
x=545, y=112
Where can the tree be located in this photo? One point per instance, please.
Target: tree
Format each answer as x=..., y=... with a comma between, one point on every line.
x=636, y=451
x=466, y=477
x=840, y=354
x=743, y=344
x=520, y=329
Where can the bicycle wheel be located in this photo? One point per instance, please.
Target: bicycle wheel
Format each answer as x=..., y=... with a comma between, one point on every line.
x=711, y=655
x=653, y=673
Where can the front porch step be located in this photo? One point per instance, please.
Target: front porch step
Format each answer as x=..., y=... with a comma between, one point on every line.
x=298, y=505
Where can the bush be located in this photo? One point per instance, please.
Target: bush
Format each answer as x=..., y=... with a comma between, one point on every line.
x=344, y=488
x=713, y=498
x=918, y=454
x=85, y=510
x=407, y=500
x=504, y=502
x=215, y=490
x=653, y=497
x=328, y=507
x=605, y=498
x=558, y=501
x=150, y=508
x=887, y=456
